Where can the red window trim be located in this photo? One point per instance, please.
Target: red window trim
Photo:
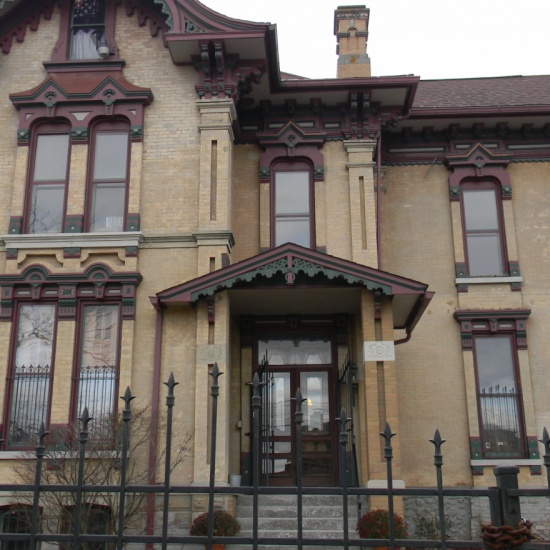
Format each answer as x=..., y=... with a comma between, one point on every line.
x=518, y=395
x=8, y=389
x=107, y=126
x=73, y=412
x=485, y=184
x=297, y=165
x=61, y=48
x=45, y=129
x=486, y=323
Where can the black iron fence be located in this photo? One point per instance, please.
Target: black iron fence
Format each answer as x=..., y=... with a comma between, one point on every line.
x=27, y=530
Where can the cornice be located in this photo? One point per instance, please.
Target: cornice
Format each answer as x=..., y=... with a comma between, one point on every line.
x=72, y=240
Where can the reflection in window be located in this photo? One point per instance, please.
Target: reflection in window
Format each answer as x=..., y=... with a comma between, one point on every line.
x=314, y=386
x=498, y=397
x=98, y=360
x=15, y=519
x=289, y=350
x=109, y=179
x=87, y=28
x=482, y=232
x=292, y=208
x=94, y=520
x=49, y=177
x=31, y=373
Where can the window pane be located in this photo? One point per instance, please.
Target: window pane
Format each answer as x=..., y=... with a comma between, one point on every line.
x=494, y=362
x=314, y=386
x=279, y=404
x=292, y=230
x=288, y=350
x=31, y=376
x=108, y=207
x=52, y=153
x=111, y=155
x=292, y=193
x=480, y=209
x=15, y=519
x=87, y=29
x=46, y=215
x=484, y=255
x=98, y=358
x=498, y=397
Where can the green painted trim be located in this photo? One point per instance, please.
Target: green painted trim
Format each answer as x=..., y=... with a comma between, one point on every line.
x=16, y=225
x=23, y=136
x=71, y=252
x=79, y=134
x=299, y=265
x=74, y=223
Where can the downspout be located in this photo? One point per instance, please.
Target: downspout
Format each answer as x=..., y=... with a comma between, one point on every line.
x=403, y=340
x=155, y=400
x=378, y=199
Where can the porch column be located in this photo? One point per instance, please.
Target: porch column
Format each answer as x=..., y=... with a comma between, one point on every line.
x=362, y=205
x=213, y=332
x=378, y=399
x=214, y=236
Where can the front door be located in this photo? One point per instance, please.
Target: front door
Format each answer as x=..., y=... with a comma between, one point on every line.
x=298, y=360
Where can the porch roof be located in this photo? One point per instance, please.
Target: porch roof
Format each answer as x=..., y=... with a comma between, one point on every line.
x=293, y=266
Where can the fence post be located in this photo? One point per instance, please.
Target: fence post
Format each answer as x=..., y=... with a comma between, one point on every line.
x=510, y=512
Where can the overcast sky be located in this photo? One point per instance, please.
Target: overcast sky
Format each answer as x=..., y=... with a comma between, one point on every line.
x=428, y=38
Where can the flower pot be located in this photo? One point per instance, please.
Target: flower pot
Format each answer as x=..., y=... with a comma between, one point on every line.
x=235, y=480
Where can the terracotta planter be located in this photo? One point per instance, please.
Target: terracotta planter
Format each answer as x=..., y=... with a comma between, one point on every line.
x=215, y=546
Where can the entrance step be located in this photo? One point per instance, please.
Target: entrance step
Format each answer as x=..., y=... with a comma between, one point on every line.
x=322, y=519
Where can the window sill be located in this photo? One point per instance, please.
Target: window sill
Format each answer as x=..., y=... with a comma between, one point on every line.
x=57, y=455
x=507, y=462
x=487, y=280
x=76, y=240
x=84, y=65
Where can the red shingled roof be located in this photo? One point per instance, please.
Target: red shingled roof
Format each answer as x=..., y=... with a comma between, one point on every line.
x=483, y=92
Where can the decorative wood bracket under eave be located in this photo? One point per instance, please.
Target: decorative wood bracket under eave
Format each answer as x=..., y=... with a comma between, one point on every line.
x=291, y=265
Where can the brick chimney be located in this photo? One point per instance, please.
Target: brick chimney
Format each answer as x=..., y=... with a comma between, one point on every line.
x=351, y=26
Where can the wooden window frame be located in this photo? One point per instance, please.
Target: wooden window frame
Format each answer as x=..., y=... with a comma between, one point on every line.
x=23, y=511
x=79, y=346
x=103, y=126
x=37, y=131
x=61, y=51
x=9, y=388
x=297, y=165
x=472, y=186
x=518, y=395
x=511, y=323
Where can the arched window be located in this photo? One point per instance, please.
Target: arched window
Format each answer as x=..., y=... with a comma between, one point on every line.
x=15, y=518
x=484, y=239
x=108, y=169
x=292, y=202
x=48, y=176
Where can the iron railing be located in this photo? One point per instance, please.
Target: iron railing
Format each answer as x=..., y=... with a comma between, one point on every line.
x=503, y=500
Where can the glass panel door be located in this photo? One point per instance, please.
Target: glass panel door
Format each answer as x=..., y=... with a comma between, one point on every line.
x=298, y=360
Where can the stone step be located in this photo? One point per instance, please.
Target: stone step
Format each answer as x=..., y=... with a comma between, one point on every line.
x=328, y=512
x=289, y=524
x=290, y=500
